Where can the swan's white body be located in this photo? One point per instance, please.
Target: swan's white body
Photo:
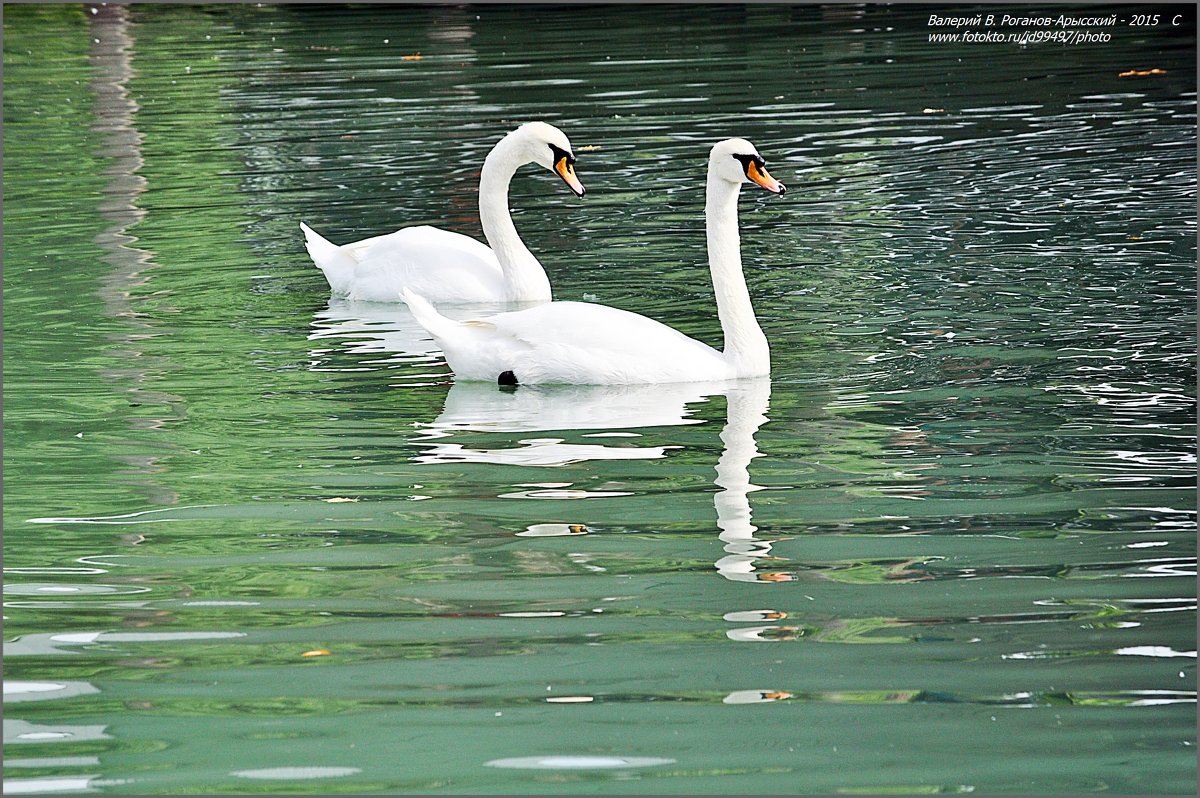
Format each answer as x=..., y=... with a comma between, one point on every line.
x=451, y=267
x=584, y=343
x=577, y=343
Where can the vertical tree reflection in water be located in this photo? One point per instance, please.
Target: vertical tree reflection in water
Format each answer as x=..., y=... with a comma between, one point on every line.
x=111, y=58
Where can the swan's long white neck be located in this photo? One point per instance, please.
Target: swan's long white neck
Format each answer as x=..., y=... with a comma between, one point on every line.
x=523, y=273
x=746, y=349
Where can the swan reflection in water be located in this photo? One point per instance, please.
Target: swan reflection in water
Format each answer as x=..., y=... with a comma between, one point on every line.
x=615, y=411
x=606, y=411
x=746, y=412
x=377, y=328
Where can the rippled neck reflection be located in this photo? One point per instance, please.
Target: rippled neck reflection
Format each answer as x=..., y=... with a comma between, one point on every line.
x=746, y=413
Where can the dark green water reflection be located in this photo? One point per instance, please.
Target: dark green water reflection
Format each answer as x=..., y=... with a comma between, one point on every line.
x=257, y=541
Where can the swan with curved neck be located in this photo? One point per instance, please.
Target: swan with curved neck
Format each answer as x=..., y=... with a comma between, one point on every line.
x=451, y=267
x=585, y=343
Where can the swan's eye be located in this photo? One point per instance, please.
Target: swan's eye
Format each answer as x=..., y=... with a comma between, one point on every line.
x=559, y=153
x=746, y=160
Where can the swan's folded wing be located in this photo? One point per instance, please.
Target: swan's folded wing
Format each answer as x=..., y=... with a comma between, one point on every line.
x=440, y=265
x=584, y=342
x=424, y=243
x=589, y=326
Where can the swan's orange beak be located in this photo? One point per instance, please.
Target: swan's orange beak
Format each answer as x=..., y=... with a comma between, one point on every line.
x=566, y=170
x=760, y=175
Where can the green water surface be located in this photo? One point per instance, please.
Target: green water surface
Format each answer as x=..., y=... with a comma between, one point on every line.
x=257, y=540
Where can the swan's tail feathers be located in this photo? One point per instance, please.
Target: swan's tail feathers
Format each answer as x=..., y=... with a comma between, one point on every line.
x=324, y=253
x=427, y=316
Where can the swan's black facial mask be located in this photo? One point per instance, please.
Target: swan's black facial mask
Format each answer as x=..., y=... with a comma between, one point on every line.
x=755, y=169
x=564, y=166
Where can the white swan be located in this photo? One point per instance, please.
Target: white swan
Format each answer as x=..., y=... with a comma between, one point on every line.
x=583, y=343
x=451, y=267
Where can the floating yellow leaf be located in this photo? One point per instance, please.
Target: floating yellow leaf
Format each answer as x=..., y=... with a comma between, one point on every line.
x=317, y=652
x=413, y=57
x=775, y=577
x=1142, y=72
